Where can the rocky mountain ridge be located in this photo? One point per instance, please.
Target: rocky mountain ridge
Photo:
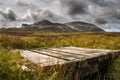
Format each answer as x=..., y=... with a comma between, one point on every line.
x=46, y=25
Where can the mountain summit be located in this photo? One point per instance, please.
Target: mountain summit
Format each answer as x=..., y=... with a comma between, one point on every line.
x=43, y=22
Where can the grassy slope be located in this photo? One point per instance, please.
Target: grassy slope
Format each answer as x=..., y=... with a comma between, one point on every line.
x=10, y=62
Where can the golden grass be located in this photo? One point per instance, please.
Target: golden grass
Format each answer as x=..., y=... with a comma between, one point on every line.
x=10, y=59
x=87, y=40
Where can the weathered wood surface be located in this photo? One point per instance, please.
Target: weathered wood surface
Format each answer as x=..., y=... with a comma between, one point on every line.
x=83, y=60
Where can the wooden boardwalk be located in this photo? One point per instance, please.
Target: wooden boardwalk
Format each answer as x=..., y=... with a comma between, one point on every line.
x=88, y=60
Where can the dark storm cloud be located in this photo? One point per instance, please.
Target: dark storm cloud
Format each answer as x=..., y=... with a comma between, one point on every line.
x=102, y=3
x=78, y=9
x=74, y=7
x=110, y=9
x=101, y=21
x=116, y=14
x=8, y=14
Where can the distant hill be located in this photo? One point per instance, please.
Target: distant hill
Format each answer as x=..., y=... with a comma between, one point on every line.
x=46, y=25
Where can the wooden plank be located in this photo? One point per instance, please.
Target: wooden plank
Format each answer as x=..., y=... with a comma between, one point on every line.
x=40, y=59
x=65, y=54
x=76, y=52
x=50, y=54
x=99, y=52
x=88, y=50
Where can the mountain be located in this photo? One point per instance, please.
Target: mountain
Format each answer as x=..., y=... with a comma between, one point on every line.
x=46, y=25
x=82, y=26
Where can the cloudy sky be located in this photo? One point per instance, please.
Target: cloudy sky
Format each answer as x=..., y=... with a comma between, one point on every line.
x=103, y=13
